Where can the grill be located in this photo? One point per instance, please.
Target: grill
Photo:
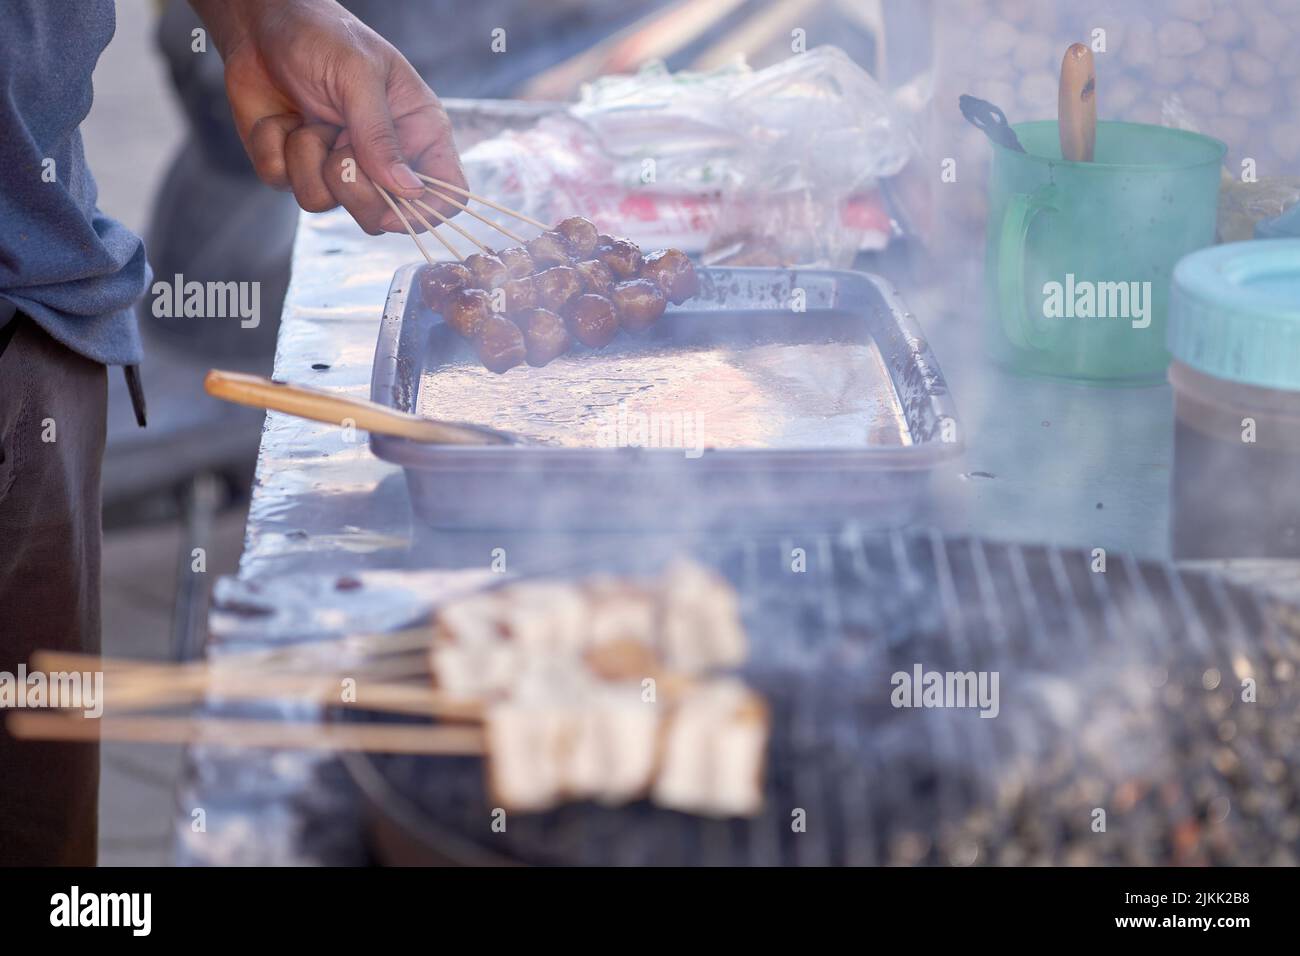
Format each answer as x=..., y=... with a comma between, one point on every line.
x=1119, y=691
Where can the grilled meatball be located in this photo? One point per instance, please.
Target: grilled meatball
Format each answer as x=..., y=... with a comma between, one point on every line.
x=596, y=277
x=672, y=269
x=521, y=294
x=592, y=320
x=437, y=282
x=500, y=344
x=550, y=249
x=621, y=255
x=556, y=286
x=580, y=234
x=639, y=303
x=517, y=261
x=467, y=310
x=545, y=336
x=489, y=271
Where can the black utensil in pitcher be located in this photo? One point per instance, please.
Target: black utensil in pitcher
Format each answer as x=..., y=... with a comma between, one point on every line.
x=983, y=115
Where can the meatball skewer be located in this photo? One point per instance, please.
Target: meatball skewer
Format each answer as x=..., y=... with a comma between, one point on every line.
x=569, y=283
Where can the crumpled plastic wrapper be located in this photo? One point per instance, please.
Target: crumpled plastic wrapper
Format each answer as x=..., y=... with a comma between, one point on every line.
x=776, y=153
x=1252, y=210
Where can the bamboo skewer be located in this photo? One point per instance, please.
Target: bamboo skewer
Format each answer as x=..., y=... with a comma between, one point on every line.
x=411, y=232
x=390, y=698
x=441, y=195
x=408, y=640
x=487, y=202
x=375, y=738
x=410, y=207
x=308, y=672
x=481, y=218
x=149, y=690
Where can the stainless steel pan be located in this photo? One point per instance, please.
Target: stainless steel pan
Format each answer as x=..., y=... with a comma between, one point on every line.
x=773, y=398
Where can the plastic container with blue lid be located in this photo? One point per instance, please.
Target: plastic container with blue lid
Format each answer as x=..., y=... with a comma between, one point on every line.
x=1234, y=334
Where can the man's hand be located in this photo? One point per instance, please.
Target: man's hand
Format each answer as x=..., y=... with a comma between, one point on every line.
x=312, y=87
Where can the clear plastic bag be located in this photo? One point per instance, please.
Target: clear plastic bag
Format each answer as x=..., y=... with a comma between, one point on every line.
x=747, y=160
x=818, y=130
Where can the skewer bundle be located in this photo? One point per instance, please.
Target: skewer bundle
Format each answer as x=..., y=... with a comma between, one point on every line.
x=607, y=689
x=530, y=302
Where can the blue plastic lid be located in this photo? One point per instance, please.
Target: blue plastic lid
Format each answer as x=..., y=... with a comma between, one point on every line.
x=1234, y=312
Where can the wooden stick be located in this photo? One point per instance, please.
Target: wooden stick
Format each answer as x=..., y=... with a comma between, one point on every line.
x=433, y=232
x=481, y=218
x=150, y=690
x=428, y=225
x=487, y=202
x=374, y=738
x=409, y=231
x=147, y=685
x=406, y=641
x=1077, y=105
x=335, y=409
x=48, y=661
x=396, y=666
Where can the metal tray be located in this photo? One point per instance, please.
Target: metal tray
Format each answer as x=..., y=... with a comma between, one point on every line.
x=737, y=408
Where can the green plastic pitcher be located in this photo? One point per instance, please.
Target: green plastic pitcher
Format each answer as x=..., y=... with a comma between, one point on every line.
x=1080, y=255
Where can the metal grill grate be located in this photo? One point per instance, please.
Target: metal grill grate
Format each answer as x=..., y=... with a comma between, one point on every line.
x=1119, y=691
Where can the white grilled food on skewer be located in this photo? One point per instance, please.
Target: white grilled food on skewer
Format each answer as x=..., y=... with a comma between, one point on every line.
x=699, y=620
x=570, y=737
x=713, y=751
x=690, y=616
x=544, y=617
x=620, y=610
x=468, y=657
x=564, y=669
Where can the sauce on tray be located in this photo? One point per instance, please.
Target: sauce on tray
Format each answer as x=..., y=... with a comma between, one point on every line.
x=782, y=395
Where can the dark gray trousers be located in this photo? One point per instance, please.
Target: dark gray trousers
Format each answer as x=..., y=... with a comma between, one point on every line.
x=50, y=535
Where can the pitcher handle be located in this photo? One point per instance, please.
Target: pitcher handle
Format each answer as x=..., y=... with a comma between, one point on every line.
x=1020, y=213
